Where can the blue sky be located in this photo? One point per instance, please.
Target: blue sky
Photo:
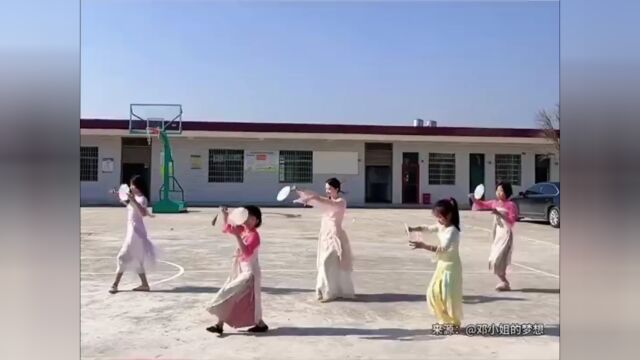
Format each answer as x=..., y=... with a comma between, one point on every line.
x=484, y=64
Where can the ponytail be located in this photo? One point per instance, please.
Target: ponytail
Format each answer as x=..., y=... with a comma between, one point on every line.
x=448, y=207
x=455, y=214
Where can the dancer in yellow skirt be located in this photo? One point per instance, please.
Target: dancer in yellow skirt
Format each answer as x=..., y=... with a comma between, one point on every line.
x=444, y=294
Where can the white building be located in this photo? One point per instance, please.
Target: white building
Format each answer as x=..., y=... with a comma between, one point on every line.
x=227, y=163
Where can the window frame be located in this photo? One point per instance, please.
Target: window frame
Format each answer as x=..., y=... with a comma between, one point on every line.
x=552, y=187
x=94, y=176
x=441, y=180
x=228, y=176
x=282, y=166
x=511, y=176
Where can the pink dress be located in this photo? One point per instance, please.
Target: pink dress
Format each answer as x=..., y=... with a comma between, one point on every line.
x=137, y=250
x=334, y=259
x=502, y=233
x=238, y=303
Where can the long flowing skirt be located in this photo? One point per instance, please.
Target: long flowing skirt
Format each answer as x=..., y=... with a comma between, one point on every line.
x=444, y=294
x=137, y=251
x=238, y=303
x=501, y=248
x=334, y=263
x=333, y=281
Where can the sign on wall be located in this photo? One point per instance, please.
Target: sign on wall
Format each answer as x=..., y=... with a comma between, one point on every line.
x=261, y=161
x=107, y=165
x=196, y=162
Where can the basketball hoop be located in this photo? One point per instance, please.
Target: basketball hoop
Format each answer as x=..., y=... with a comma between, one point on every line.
x=152, y=131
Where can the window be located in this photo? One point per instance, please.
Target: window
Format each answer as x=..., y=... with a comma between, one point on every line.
x=509, y=168
x=296, y=166
x=548, y=189
x=534, y=190
x=88, y=163
x=442, y=169
x=226, y=166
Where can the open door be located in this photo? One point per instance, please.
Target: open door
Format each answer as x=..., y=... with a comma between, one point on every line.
x=543, y=168
x=476, y=172
x=136, y=160
x=378, y=172
x=410, y=178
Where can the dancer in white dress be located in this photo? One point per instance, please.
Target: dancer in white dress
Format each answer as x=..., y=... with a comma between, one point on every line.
x=334, y=258
x=137, y=250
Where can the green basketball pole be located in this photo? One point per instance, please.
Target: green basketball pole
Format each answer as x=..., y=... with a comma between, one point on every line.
x=152, y=118
x=169, y=183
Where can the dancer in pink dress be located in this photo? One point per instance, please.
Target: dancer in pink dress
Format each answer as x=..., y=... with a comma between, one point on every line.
x=238, y=303
x=137, y=250
x=334, y=258
x=506, y=215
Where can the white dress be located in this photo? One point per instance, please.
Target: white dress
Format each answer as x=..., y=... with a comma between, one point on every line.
x=137, y=250
x=334, y=258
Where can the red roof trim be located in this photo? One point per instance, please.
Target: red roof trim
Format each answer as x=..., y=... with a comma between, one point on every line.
x=326, y=129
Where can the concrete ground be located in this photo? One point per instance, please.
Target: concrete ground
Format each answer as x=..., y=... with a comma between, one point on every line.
x=390, y=318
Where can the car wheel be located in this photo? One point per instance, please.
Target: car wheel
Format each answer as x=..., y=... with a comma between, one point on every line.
x=554, y=217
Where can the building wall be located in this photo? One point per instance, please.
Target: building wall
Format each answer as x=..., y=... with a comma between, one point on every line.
x=97, y=192
x=555, y=168
x=260, y=188
x=461, y=188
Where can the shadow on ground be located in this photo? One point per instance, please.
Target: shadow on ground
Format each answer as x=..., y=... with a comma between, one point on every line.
x=482, y=299
x=540, y=291
x=387, y=298
x=535, y=222
x=288, y=216
x=369, y=334
x=365, y=298
x=213, y=290
x=380, y=334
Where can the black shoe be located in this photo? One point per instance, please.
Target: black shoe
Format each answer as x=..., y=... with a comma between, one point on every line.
x=258, y=329
x=217, y=329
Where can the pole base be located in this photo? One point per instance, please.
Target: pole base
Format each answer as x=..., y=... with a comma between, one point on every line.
x=166, y=206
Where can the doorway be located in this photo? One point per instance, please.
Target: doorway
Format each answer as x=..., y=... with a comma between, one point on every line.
x=378, y=172
x=136, y=160
x=410, y=178
x=543, y=168
x=476, y=172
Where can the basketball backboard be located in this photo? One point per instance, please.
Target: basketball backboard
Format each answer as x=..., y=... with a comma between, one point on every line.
x=167, y=117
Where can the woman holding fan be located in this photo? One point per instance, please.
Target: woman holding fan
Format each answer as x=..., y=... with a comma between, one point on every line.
x=334, y=257
x=505, y=216
x=137, y=250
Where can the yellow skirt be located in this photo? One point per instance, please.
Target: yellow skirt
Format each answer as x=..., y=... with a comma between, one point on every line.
x=444, y=294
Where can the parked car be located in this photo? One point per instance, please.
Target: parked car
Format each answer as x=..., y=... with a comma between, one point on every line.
x=541, y=202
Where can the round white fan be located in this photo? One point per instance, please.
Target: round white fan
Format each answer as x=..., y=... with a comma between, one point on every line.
x=238, y=216
x=123, y=192
x=285, y=192
x=478, y=193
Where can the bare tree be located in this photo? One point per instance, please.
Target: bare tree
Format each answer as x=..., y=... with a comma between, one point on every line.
x=549, y=122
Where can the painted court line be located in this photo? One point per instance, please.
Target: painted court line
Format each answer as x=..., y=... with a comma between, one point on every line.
x=536, y=270
x=224, y=271
x=524, y=266
x=519, y=236
x=175, y=276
